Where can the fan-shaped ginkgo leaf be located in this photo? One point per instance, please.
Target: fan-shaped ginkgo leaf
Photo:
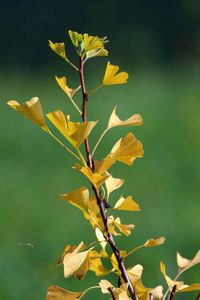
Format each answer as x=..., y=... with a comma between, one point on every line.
x=31, y=109
x=113, y=184
x=135, y=273
x=96, y=53
x=103, y=165
x=111, y=76
x=105, y=285
x=185, y=264
x=76, y=263
x=95, y=264
x=125, y=229
x=127, y=204
x=75, y=133
x=134, y=120
x=127, y=149
x=100, y=238
x=182, y=262
x=78, y=198
x=62, y=82
x=58, y=48
x=154, y=242
x=96, y=178
x=57, y=293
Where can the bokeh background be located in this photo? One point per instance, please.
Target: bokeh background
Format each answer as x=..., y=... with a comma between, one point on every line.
x=158, y=43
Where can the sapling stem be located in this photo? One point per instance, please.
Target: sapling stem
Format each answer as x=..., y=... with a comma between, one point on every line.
x=100, y=202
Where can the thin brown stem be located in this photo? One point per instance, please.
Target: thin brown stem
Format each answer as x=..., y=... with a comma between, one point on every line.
x=111, y=292
x=173, y=292
x=198, y=297
x=100, y=202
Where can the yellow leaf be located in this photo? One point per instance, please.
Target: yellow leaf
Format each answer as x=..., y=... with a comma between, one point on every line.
x=191, y=263
x=189, y=288
x=57, y=293
x=182, y=262
x=76, y=263
x=58, y=48
x=113, y=184
x=135, y=273
x=111, y=76
x=75, y=133
x=134, y=120
x=96, y=178
x=62, y=82
x=95, y=264
x=154, y=242
x=171, y=283
x=96, y=53
x=105, y=285
x=125, y=229
x=127, y=149
x=103, y=165
x=115, y=262
x=126, y=204
x=100, y=238
x=31, y=109
x=92, y=214
x=78, y=198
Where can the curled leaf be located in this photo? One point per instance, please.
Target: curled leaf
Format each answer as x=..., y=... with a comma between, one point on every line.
x=62, y=82
x=125, y=229
x=96, y=178
x=58, y=48
x=95, y=264
x=78, y=198
x=127, y=149
x=134, y=120
x=103, y=165
x=75, y=133
x=31, y=109
x=111, y=76
x=126, y=204
x=185, y=264
x=57, y=293
x=154, y=242
x=76, y=263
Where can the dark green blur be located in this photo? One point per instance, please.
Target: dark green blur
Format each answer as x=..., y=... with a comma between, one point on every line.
x=158, y=44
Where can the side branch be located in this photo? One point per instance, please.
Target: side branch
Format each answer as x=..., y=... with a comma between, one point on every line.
x=100, y=202
x=173, y=292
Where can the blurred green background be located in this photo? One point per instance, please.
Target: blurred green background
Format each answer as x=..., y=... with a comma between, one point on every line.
x=158, y=44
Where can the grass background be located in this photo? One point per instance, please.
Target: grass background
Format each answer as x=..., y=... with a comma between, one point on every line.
x=34, y=170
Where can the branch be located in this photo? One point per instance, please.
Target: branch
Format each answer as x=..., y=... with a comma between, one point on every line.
x=173, y=292
x=99, y=200
x=111, y=292
x=198, y=297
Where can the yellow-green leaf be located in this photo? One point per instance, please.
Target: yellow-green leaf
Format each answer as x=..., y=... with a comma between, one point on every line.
x=57, y=293
x=127, y=149
x=154, y=242
x=31, y=109
x=62, y=82
x=127, y=204
x=59, y=49
x=111, y=76
x=78, y=198
x=75, y=133
x=134, y=120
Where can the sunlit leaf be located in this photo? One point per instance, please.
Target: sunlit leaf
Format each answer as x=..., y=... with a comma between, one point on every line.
x=76, y=263
x=100, y=238
x=58, y=48
x=185, y=264
x=190, y=288
x=127, y=149
x=135, y=273
x=96, y=178
x=171, y=283
x=57, y=293
x=103, y=165
x=62, y=82
x=111, y=76
x=154, y=242
x=105, y=285
x=92, y=214
x=134, y=120
x=113, y=184
x=125, y=229
x=182, y=262
x=78, y=198
x=95, y=264
x=126, y=204
x=31, y=109
x=96, y=53
x=75, y=133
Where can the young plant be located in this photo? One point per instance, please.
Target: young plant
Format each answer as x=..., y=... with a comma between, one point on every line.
x=93, y=200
